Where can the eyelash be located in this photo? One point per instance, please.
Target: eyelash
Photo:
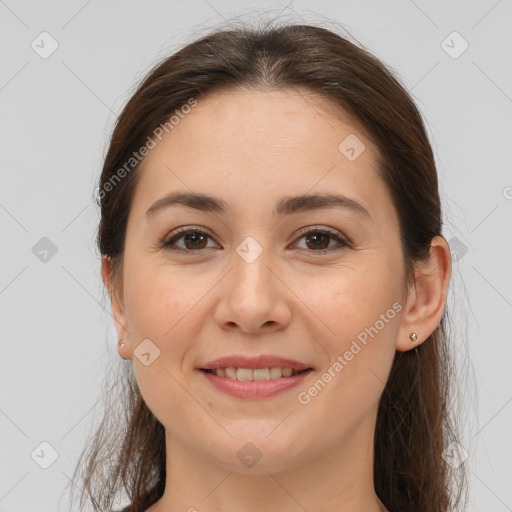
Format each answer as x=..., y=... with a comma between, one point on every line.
x=179, y=233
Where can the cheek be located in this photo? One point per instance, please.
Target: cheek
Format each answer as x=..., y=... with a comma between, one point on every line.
x=158, y=309
x=350, y=302
x=156, y=299
x=359, y=318
x=358, y=313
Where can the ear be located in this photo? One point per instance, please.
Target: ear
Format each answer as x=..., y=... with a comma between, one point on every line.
x=117, y=304
x=426, y=300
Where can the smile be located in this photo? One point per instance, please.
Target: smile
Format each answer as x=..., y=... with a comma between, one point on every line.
x=254, y=383
x=247, y=374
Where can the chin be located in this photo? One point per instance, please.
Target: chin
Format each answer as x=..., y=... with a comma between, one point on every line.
x=258, y=453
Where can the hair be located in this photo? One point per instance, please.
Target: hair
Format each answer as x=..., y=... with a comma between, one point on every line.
x=414, y=422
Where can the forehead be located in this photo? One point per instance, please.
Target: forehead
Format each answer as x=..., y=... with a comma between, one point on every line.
x=256, y=146
x=267, y=123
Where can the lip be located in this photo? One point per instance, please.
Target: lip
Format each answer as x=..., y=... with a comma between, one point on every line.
x=257, y=388
x=262, y=361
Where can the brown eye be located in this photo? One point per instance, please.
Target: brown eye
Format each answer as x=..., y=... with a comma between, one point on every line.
x=318, y=240
x=193, y=240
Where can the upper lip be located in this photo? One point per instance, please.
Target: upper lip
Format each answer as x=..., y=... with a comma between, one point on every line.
x=262, y=361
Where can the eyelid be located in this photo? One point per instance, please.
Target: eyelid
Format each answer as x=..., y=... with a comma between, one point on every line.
x=334, y=234
x=321, y=229
x=179, y=232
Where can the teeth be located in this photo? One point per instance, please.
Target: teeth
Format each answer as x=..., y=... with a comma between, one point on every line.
x=261, y=374
x=230, y=373
x=246, y=374
x=276, y=373
x=287, y=372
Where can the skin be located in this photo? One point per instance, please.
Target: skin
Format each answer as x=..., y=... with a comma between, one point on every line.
x=250, y=149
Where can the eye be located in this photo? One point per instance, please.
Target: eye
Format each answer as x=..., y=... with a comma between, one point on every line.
x=318, y=239
x=193, y=239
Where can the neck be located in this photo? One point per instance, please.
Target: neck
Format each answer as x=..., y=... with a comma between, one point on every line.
x=340, y=480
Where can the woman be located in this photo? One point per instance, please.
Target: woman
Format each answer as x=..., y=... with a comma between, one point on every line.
x=271, y=240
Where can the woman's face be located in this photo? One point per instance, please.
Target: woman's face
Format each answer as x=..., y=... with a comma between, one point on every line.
x=249, y=281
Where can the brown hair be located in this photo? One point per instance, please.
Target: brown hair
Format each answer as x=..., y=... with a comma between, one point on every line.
x=414, y=423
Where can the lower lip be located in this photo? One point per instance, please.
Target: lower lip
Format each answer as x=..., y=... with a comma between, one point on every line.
x=255, y=388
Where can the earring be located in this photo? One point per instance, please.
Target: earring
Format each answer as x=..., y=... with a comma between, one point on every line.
x=120, y=342
x=413, y=337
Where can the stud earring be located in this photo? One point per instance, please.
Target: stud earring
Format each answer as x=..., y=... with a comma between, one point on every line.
x=120, y=342
x=413, y=337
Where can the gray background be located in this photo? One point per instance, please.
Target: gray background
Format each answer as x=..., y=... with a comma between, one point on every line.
x=56, y=114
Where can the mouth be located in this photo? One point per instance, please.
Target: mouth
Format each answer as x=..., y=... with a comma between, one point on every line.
x=254, y=377
x=254, y=383
x=254, y=374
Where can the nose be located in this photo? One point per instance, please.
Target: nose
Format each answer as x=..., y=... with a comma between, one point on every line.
x=253, y=297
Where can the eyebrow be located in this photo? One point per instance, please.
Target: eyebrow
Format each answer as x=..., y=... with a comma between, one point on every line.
x=285, y=206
